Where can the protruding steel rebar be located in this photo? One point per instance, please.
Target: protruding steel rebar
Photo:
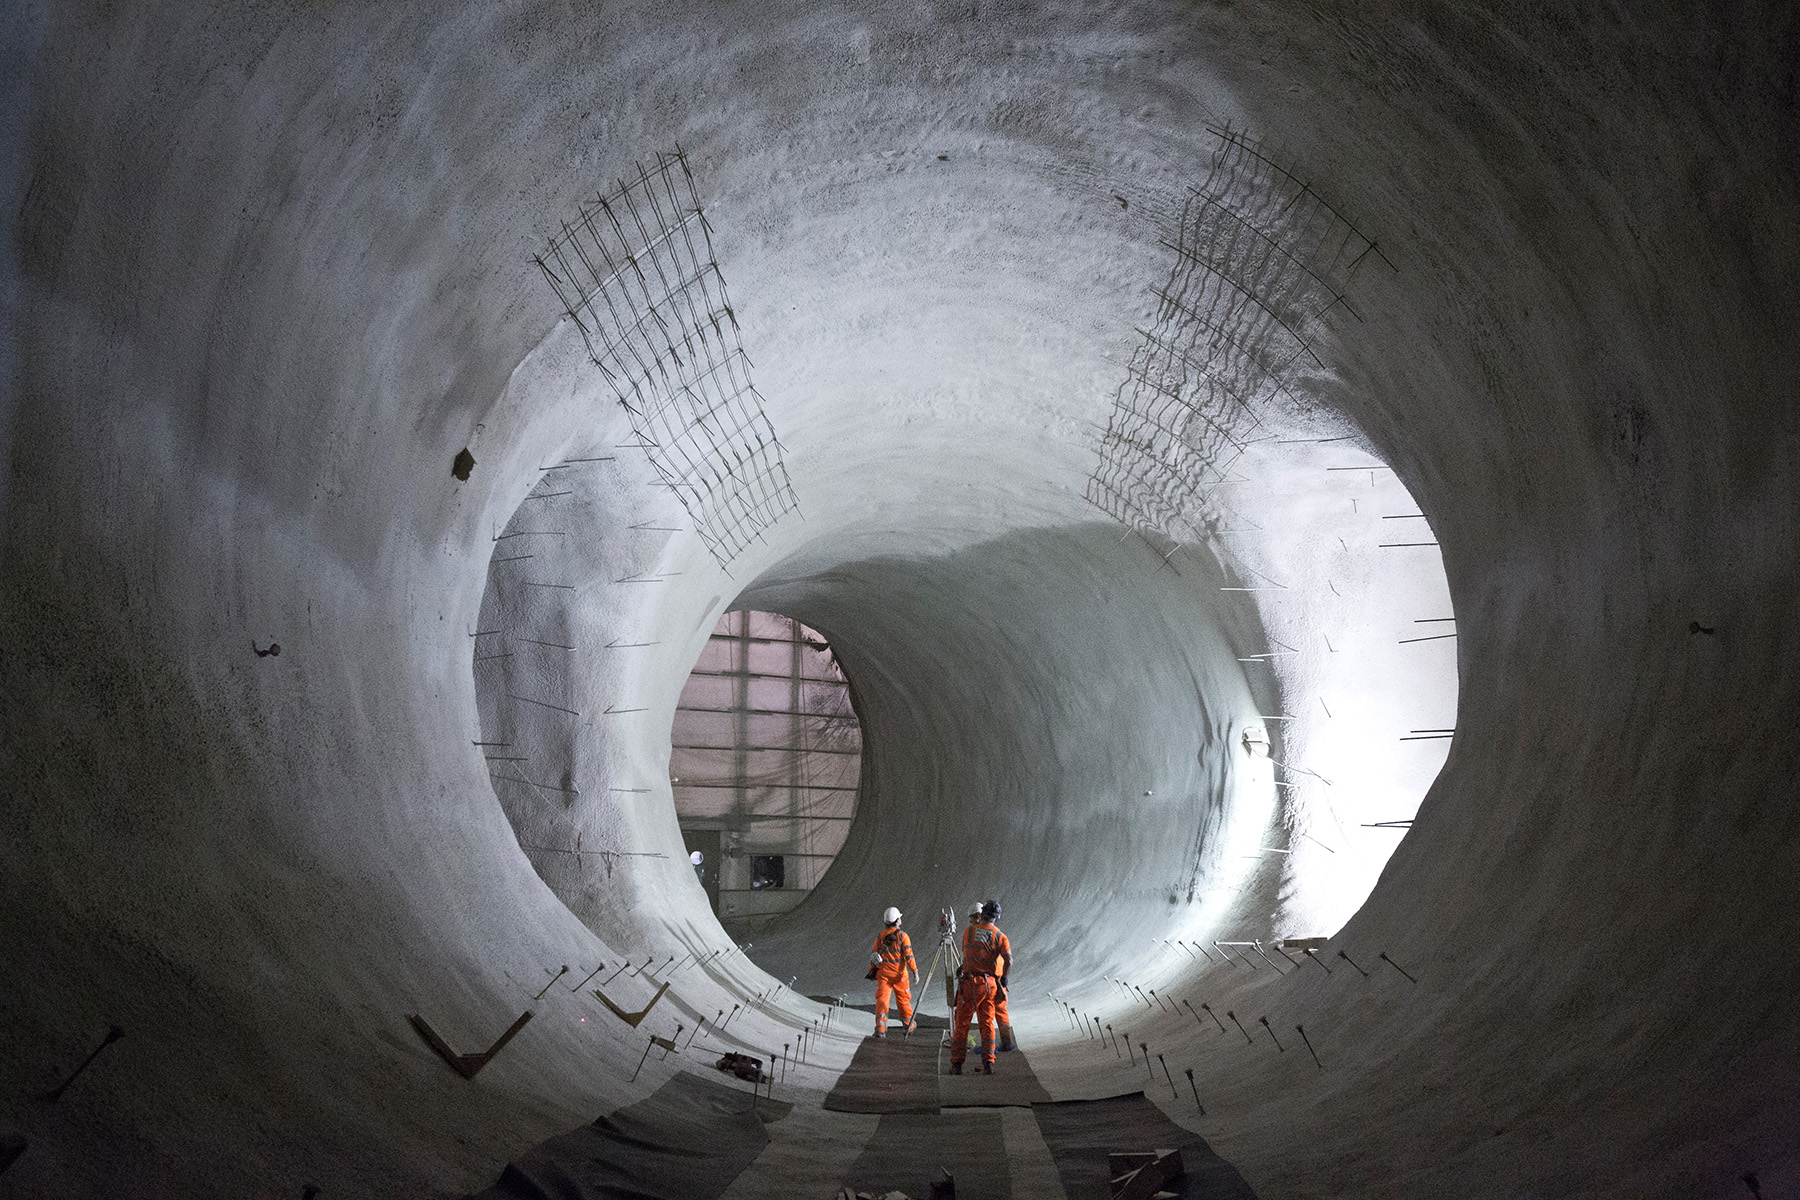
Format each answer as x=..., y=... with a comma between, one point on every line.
x=1390, y=962
x=648, y=1047
x=1189, y=1072
x=636, y=273
x=553, y=979
x=113, y=1034
x=1272, y=1037
x=1309, y=1046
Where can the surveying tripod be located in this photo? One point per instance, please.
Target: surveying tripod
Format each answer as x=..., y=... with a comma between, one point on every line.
x=949, y=952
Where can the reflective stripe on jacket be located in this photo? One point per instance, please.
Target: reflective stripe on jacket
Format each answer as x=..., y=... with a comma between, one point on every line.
x=895, y=949
x=983, y=947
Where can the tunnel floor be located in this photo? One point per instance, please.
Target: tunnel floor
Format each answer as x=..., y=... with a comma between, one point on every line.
x=894, y=1120
x=1270, y=473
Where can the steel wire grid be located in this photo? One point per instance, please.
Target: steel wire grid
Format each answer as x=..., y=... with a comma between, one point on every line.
x=1260, y=261
x=635, y=271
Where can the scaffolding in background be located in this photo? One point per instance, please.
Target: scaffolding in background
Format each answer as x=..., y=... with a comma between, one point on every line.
x=766, y=748
x=635, y=271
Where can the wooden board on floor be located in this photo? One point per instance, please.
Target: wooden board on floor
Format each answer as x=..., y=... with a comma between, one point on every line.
x=686, y=1141
x=1082, y=1134
x=910, y=1150
x=1012, y=1085
x=889, y=1075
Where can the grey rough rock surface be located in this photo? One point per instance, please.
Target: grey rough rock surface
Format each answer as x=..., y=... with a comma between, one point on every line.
x=268, y=270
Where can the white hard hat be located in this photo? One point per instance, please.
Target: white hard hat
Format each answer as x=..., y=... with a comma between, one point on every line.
x=891, y=916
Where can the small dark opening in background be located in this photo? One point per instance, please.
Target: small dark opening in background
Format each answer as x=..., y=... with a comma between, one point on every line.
x=767, y=871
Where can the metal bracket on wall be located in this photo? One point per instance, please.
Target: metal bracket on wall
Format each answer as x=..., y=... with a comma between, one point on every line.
x=466, y=1065
x=632, y=1018
x=667, y=1044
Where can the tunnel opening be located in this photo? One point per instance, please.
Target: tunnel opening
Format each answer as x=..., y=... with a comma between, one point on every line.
x=765, y=758
x=274, y=270
x=1193, y=659
x=1202, y=739
x=1146, y=683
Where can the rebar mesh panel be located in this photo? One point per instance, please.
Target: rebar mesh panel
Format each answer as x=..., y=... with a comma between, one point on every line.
x=1260, y=260
x=635, y=271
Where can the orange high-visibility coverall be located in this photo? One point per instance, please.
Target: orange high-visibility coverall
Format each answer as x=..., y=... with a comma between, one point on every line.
x=1002, y=1019
x=986, y=952
x=894, y=949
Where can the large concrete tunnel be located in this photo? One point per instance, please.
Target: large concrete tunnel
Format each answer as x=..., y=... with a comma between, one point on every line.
x=1318, y=482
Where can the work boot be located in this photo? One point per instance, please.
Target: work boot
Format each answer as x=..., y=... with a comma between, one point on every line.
x=987, y=1068
x=1007, y=1041
x=881, y=1033
x=956, y=1068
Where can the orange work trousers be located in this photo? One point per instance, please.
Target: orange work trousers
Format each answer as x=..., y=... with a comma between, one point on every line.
x=902, y=992
x=974, y=998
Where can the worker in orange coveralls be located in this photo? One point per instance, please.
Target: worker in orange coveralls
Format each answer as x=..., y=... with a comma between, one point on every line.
x=1003, y=1018
x=987, y=960
x=890, y=961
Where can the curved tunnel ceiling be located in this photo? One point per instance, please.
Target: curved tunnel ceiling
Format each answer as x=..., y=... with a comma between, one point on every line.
x=1049, y=722
x=272, y=272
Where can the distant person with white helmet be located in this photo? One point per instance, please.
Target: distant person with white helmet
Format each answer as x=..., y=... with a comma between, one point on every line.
x=890, y=962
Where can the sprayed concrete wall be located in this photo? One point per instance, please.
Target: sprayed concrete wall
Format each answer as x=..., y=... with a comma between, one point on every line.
x=270, y=272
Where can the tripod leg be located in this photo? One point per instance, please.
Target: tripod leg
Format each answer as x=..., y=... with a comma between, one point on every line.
x=925, y=988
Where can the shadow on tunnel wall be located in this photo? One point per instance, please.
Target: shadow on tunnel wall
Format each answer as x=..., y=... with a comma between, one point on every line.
x=1050, y=718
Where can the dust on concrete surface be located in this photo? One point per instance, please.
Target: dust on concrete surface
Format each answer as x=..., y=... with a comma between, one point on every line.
x=272, y=271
